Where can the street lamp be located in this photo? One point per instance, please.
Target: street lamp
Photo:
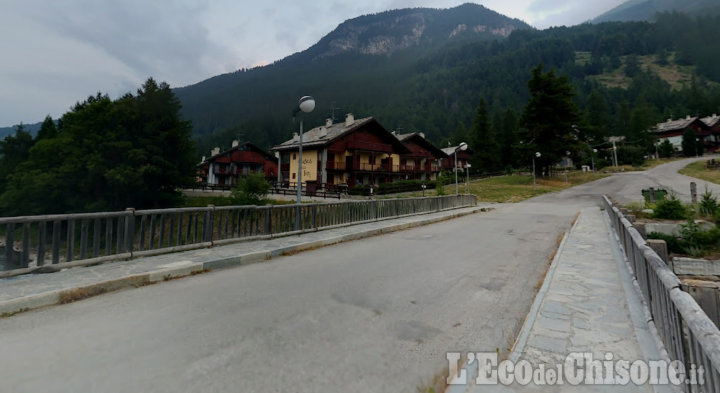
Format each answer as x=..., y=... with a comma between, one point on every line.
x=463, y=146
x=305, y=105
x=697, y=145
x=467, y=180
x=566, y=175
x=538, y=156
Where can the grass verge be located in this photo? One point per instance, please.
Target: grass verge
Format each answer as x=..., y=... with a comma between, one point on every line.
x=698, y=171
x=513, y=189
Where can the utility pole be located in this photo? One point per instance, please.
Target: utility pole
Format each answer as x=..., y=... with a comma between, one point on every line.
x=615, y=153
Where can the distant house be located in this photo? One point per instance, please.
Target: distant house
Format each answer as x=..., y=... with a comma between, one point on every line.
x=424, y=161
x=353, y=152
x=224, y=168
x=673, y=130
x=713, y=122
x=463, y=157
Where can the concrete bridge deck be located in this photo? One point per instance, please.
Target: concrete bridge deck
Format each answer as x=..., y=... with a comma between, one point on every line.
x=377, y=314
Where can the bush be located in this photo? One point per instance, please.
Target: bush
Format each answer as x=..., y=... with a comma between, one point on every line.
x=250, y=190
x=631, y=155
x=708, y=204
x=440, y=191
x=675, y=245
x=670, y=209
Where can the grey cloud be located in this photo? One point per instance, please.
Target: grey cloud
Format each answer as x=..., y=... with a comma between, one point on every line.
x=153, y=40
x=551, y=6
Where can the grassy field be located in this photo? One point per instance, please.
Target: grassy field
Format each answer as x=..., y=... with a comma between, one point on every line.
x=698, y=170
x=677, y=76
x=513, y=189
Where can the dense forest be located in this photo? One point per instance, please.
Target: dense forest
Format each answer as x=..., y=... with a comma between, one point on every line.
x=435, y=89
x=102, y=155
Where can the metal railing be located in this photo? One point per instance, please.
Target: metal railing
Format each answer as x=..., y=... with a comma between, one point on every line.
x=50, y=243
x=687, y=333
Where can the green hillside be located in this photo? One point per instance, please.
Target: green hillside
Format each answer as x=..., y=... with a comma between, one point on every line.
x=431, y=87
x=645, y=10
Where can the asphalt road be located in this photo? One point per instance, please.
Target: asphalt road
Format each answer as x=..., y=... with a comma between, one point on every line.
x=374, y=315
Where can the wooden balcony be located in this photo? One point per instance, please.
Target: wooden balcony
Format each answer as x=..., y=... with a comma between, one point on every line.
x=336, y=166
x=369, y=146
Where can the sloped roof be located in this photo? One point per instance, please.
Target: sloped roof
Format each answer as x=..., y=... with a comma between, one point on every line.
x=315, y=137
x=675, y=125
x=238, y=147
x=711, y=121
x=423, y=141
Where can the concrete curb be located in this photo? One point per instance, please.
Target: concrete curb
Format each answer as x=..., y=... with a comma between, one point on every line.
x=519, y=345
x=521, y=340
x=187, y=268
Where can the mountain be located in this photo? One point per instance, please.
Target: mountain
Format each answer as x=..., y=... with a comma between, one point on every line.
x=365, y=57
x=31, y=128
x=645, y=10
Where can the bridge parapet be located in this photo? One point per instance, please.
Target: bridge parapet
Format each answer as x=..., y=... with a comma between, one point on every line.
x=54, y=242
x=686, y=332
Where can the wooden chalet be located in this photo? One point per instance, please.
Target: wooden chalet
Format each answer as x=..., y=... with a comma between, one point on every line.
x=356, y=152
x=463, y=158
x=673, y=131
x=224, y=168
x=423, y=163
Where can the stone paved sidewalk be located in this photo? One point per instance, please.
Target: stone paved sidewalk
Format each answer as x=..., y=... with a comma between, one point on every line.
x=588, y=305
x=38, y=290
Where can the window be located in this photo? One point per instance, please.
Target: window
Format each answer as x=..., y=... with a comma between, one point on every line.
x=294, y=175
x=294, y=156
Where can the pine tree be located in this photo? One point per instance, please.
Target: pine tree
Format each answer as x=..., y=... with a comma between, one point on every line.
x=632, y=66
x=508, y=137
x=48, y=130
x=622, y=119
x=484, y=143
x=598, y=115
x=459, y=136
x=689, y=143
x=549, y=118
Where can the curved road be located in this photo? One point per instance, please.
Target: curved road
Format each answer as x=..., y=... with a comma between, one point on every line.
x=373, y=315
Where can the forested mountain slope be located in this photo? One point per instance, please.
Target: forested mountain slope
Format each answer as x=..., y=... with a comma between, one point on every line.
x=434, y=84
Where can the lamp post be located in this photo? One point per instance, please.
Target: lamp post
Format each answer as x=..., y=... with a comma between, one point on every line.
x=463, y=146
x=538, y=155
x=467, y=180
x=566, y=174
x=697, y=145
x=592, y=158
x=305, y=105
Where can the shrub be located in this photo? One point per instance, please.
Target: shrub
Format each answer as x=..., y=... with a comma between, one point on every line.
x=708, y=204
x=670, y=209
x=440, y=191
x=250, y=190
x=675, y=245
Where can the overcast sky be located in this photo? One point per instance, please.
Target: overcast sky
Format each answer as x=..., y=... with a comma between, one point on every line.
x=55, y=53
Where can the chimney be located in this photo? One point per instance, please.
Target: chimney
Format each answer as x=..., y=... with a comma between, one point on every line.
x=669, y=120
x=235, y=143
x=394, y=133
x=328, y=123
x=323, y=132
x=295, y=137
x=688, y=117
x=203, y=159
x=215, y=151
x=349, y=119
x=422, y=134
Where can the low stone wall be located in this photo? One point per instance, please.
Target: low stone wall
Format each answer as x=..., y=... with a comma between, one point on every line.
x=695, y=267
